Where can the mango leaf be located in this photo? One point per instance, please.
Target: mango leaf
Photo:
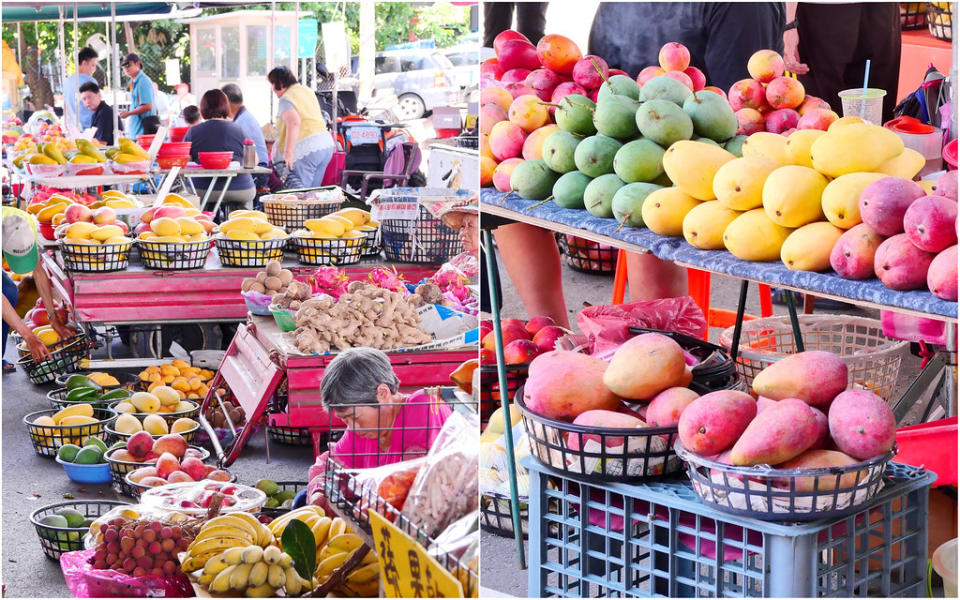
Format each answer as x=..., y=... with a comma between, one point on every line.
x=299, y=543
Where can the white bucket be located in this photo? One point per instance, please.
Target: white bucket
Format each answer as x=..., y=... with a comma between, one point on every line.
x=930, y=145
x=945, y=564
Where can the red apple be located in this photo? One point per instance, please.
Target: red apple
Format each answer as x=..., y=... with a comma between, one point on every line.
x=76, y=213
x=520, y=351
x=485, y=328
x=537, y=323
x=510, y=333
x=547, y=337
x=104, y=216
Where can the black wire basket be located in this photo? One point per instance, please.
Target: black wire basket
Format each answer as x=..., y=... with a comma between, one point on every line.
x=771, y=494
x=283, y=486
x=120, y=468
x=174, y=256
x=58, y=400
x=913, y=15
x=57, y=540
x=290, y=436
x=319, y=251
x=605, y=454
x=372, y=246
x=940, y=20
x=425, y=240
x=95, y=258
x=23, y=351
x=249, y=253
x=169, y=417
x=135, y=490
x=292, y=214
x=126, y=380
x=114, y=436
x=580, y=256
x=47, y=439
x=490, y=386
x=495, y=515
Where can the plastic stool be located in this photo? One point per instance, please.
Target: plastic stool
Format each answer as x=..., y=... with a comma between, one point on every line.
x=698, y=285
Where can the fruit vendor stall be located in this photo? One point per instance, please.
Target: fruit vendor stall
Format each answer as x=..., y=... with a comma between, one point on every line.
x=643, y=475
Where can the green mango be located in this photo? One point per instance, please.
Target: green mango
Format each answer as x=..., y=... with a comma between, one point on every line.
x=287, y=503
x=82, y=381
x=272, y=503
x=53, y=521
x=117, y=394
x=285, y=495
x=267, y=487
x=95, y=442
x=90, y=149
x=74, y=517
x=68, y=452
x=81, y=395
x=89, y=455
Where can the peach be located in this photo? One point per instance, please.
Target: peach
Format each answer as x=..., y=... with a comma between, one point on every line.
x=518, y=54
x=814, y=376
x=817, y=118
x=140, y=444
x=505, y=36
x=649, y=73
x=747, y=93
x=172, y=443
x=749, y=121
x=930, y=223
x=601, y=418
x=681, y=77
x=852, y=255
x=697, y=77
x=501, y=175
x=765, y=65
x=900, y=265
x=166, y=464
x=667, y=406
x=862, y=424
x=520, y=89
x=506, y=140
x=546, y=338
x=496, y=95
x=812, y=103
x=781, y=120
x=520, y=351
x=564, y=384
x=509, y=334
x=77, y=212
x=490, y=115
x=487, y=166
x=537, y=323
x=528, y=112
x=713, y=422
x=533, y=145
x=558, y=53
x=674, y=56
x=784, y=92
x=194, y=467
x=490, y=69
x=585, y=72
x=515, y=76
x=942, y=275
x=884, y=202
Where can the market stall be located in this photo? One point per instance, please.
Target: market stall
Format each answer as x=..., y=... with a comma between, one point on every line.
x=754, y=184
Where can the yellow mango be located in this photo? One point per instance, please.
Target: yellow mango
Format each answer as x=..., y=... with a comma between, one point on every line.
x=188, y=226
x=165, y=226
x=105, y=232
x=168, y=239
x=240, y=223
x=120, y=239
x=738, y=185
x=347, y=223
x=261, y=226
x=754, y=237
x=692, y=165
x=704, y=225
x=240, y=234
x=844, y=121
x=808, y=247
x=81, y=409
x=768, y=145
x=49, y=337
x=145, y=402
x=840, y=201
x=76, y=420
x=46, y=214
x=853, y=148
x=663, y=210
x=798, y=145
x=80, y=230
x=358, y=216
x=906, y=165
x=274, y=233
x=791, y=196
x=326, y=225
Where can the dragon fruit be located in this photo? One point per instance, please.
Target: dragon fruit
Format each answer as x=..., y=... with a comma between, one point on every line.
x=388, y=279
x=328, y=280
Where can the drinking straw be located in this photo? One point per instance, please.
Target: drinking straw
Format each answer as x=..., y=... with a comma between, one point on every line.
x=863, y=104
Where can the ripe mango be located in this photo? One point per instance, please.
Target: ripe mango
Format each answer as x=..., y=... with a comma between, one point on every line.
x=563, y=384
x=358, y=216
x=704, y=225
x=645, y=366
x=808, y=247
x=754, y=237
x=907, y=164
x=844, y=121
x=187, y=225
x=767, y=145
x=329, y=226
x=127, y=424
x=82, y=409
x=778, y=433
x=791, y=196
x=738, y=185
x=862, y=424
x=663, y=211
x=692, y=165
x=145, y=402
x=840, y=200
x=239, y=234
x=105, y=232
x=798, y=145
x=853, y=148
x=76, y=420
x=822, y=459
x=80, y=230
x=713, y=422
x=814, y=376
x=155, y=425
x=165, y=226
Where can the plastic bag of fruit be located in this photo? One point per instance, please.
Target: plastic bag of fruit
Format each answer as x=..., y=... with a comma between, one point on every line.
x=607, y=326
x=85, y=581
x=391, y=483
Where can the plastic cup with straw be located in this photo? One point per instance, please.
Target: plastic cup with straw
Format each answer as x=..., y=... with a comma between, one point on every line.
x=865, y=102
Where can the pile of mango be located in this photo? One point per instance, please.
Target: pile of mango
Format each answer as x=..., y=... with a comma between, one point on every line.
x=76, y=414
x=350, y=224
x=175, y=221
x=190, y=381
x=89, y=389
x=126, y=151
x=250, y=225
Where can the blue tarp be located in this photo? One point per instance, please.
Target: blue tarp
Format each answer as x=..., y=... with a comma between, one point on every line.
x=50, y=11
x=721, y=261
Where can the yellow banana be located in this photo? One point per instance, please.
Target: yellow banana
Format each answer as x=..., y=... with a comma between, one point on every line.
x=234, y=521
x=329, y=564
x=214, y=565
x=345, y=542
x=285, y=560
x=337, y=527
x=275, y=576
x=364, y=574
x=233, y=556
x=223, y=531
x=220, y=543
x=294, y=584
x=369, y=557
x=246, y=517
x=197, y=561
x=239, y=577
x=272, y=555
x=327, y=552
x=266, y=537
x=258, y=574
x=221, y=583
x=252, y=554
x=205, y=578
x=261, y=591
x=320, y=529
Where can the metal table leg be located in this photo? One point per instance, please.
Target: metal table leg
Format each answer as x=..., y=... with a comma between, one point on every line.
x=206, y=195
x=504, y=399
x=738, y=326
x=223, y=192
x=794, y=322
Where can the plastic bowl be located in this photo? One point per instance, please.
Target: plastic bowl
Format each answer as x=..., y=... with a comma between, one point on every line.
x=950, y=153
x=48, y=231
x=140, y=167
x=215, y=160
x=169, y=162
x=945, y=564
x=145, y=141
x=177, y=133
x=174, y=149
x=84, y=168
x=98, y=473
x=45, y=170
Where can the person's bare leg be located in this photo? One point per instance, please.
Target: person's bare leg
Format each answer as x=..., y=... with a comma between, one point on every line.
x=649, y=278
x=532, y=260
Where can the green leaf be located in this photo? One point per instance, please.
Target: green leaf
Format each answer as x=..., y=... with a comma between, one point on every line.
x=299, y=543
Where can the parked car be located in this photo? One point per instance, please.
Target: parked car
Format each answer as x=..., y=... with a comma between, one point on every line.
x=465, y=60
x=421, y=80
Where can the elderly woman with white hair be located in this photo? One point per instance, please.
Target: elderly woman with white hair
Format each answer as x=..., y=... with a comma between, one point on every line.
x=383, y=425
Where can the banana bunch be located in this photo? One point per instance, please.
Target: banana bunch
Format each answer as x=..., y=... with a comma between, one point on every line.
x=235, y=530
x=322, y=526
x=361, y=582
x=255, y=571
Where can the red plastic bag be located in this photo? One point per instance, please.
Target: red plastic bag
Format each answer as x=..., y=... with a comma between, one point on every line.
x=607, y=325
x=86, y=582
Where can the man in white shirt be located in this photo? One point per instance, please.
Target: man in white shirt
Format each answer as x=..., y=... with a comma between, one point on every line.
x=180, y=101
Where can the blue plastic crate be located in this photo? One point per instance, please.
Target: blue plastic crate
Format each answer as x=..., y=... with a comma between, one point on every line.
x=677, y=546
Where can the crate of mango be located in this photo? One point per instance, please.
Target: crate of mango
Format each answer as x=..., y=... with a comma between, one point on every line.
x=179, y=375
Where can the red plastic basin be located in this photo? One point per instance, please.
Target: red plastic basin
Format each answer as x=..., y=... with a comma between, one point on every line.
x=174, y=149
x=145, y=141
x=215, y=160
x=177, y=133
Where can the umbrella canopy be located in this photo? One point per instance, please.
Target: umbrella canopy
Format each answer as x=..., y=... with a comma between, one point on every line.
x=43, y=11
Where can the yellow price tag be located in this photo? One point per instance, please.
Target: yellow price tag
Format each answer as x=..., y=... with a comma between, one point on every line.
x=406, y=570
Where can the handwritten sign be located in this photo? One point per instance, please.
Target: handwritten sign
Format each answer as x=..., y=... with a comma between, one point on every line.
x=399, y=209
x=406, y=570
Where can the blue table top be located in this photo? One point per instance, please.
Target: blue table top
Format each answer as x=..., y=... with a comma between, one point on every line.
x=720, y=261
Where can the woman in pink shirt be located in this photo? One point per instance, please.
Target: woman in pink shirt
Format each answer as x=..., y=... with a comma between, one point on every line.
x=384, y=426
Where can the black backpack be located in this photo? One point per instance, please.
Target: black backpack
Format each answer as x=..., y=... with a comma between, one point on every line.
x=924, y=103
